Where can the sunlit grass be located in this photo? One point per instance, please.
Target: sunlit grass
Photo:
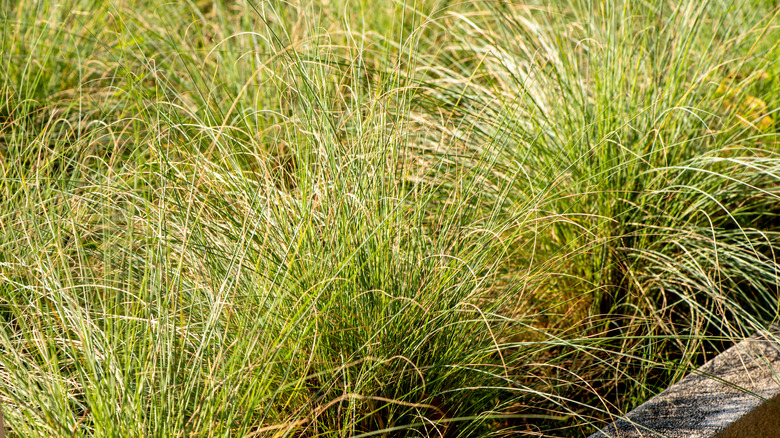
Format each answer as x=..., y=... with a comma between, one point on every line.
x=411, y=219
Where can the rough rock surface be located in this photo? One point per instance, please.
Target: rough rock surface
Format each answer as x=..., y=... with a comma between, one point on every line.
x=736, y=394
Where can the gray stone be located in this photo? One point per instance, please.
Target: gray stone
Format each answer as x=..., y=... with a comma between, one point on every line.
x=736, y=394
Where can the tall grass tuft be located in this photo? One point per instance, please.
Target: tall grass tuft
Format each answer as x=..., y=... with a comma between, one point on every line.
x=419, y=219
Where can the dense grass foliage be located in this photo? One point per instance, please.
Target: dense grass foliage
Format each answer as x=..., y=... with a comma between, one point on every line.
x=342, y=218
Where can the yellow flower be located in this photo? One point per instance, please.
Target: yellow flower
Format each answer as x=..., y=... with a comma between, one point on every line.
x=748, y=108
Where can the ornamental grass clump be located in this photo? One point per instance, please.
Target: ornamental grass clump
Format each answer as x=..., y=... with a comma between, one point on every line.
x=437, y=219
